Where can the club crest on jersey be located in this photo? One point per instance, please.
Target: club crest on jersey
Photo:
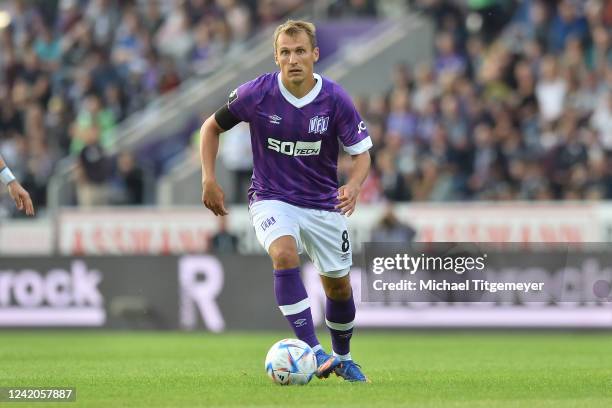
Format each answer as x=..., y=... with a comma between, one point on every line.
x=318, y=124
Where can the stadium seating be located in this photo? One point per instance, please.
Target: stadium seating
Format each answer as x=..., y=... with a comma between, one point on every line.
x=72, y=70
x=514, y=106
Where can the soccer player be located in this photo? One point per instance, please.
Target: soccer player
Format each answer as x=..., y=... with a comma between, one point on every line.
x=298, y=121
x=18, y=194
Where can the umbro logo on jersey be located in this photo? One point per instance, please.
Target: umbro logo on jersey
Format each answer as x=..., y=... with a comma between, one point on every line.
x=275, y=119
x=318, y=124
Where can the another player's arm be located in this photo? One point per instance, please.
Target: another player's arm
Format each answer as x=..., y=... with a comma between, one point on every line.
x=212, y=193
x=19, y=195
x=348, y=193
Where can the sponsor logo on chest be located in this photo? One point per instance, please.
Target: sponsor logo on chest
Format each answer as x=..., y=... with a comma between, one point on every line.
x=297, y=148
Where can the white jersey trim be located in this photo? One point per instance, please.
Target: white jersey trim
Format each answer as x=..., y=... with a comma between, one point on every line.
x=304, y=100
x=360, y=147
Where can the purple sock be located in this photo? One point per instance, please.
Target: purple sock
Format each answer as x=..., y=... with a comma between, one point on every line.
x=293, y=302
x=339, y=317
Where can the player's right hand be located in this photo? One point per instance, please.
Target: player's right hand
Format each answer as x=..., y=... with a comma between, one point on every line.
x=21, y=197
x=213, y=197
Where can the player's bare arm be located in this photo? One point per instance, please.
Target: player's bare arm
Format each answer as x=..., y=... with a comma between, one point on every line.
x=19, y=195
x=349, y=193
x=212, y=193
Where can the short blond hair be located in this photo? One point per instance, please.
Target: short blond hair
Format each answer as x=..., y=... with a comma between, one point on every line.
x=293, y=27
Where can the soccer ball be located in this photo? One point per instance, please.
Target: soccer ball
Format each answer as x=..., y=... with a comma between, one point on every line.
x=290, y=362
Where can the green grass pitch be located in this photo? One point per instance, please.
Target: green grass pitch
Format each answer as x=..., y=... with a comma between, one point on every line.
x=445, y=369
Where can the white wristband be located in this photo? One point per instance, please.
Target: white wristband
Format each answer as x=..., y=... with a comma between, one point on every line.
x=6, y=176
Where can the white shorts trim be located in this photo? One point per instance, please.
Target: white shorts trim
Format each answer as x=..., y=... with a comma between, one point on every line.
x=336, y=274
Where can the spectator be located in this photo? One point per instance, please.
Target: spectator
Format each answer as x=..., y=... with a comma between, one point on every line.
x=103, y=15
x=77, y=44
x=128, y=50
x=393, y=184
x=426, y=88
x=402, y=120
x=238, y=18
x=599, y=55
x=537, y=29
x=448, y=58
x=602, y=120
x=47, y=49
x=224, y=242
x=174, y=37
x=128, y=184
x=202, y=49
x=550, y=90
x=93, y=171
x=353, y=8
x=23, y=21
x=169, y=77
x=390, y=229
x=568, y=22
x=69, y=15
x=115, y=101
x=93, y=115
x=152, y=16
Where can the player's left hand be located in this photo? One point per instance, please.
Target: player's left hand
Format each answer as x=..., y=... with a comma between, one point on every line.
x=21, y=197
x=348, y=194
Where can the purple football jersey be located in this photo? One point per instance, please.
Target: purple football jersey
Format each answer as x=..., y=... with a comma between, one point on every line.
x=296, y=141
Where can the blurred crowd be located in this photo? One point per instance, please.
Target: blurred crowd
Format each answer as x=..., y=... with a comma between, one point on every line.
x=70, y=70
x=517, y=104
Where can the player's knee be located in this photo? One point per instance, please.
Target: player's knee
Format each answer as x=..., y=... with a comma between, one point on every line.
x=284, y=254
x=339, y=291
x=284, y=258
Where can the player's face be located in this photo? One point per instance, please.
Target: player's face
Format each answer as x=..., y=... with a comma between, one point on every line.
x=295, y=57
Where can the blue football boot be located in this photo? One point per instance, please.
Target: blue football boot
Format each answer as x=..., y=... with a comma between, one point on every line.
x=351, y=371
x=326, y=363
